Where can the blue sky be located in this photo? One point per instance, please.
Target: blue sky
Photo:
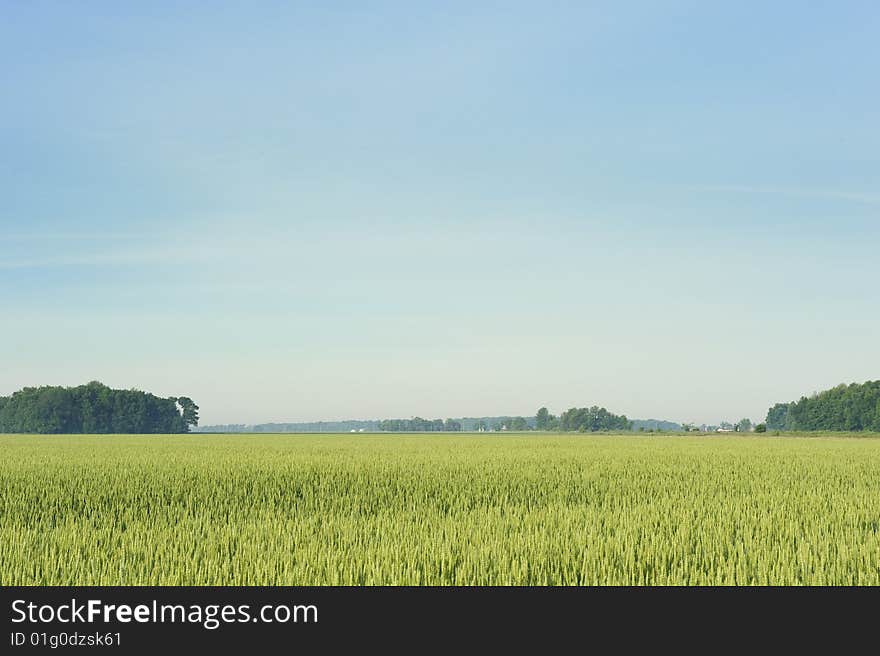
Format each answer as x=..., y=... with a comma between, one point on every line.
x=354, y=210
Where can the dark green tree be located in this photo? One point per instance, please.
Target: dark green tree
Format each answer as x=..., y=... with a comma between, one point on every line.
x=189, y=411
x=542, y=419
x=854, y=407
x=592, y=419
x=518, y=424
x=777, y=416
x=93, y=408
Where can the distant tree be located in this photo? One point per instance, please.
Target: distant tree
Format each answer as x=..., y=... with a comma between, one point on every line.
x=189, y=411
x=744, y=425
x=777, y=416
x=592, y=419
x=542, y=419
x=518, y=424
x=452, y=426
x=761, y=428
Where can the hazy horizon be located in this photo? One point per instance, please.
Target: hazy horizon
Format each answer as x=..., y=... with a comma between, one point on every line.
x=300, y=213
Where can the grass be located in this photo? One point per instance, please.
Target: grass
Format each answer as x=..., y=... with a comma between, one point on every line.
x=429, y=510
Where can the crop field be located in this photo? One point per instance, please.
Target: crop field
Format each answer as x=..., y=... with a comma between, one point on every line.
x=438, y=509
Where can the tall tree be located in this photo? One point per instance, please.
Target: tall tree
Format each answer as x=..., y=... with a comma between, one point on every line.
x=542, y=419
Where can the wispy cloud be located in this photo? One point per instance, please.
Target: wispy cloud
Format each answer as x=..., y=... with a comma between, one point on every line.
x=800, y=192
x=123, y=258
x=72, y=236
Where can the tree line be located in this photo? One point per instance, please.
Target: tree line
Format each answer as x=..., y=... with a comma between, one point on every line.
x=419, y=425
x=854, y=407
x=94, y=408
x=573, y=420
x=582, y=420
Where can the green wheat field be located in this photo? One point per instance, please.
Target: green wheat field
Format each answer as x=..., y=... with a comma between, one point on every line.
x=435, y=510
